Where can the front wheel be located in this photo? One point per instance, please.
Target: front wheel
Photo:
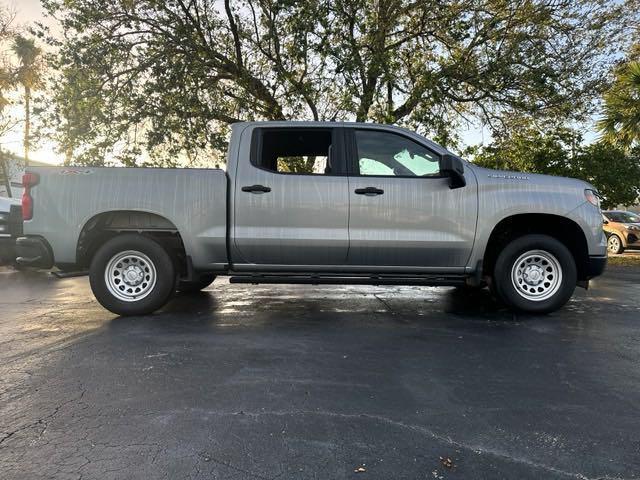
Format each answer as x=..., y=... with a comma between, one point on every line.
x=614, y=244
x=535, y=273
x=132, y=275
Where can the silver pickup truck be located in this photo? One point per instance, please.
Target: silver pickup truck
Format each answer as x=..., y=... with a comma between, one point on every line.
x=314, y=202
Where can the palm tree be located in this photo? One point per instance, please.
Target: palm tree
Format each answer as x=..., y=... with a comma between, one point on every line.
x=29, y=75
x=621, y=121
x=7, y=80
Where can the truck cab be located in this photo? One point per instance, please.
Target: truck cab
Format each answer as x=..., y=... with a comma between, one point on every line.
x=372, y=198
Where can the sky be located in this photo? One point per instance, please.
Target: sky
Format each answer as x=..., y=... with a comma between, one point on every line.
x=29, y=11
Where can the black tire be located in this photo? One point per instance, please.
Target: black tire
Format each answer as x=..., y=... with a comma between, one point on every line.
x=611, y=248
x=191, y=287
x=553, y=290
x=156, y=294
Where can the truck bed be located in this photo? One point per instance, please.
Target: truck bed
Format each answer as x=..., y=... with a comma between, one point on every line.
x=194, y=200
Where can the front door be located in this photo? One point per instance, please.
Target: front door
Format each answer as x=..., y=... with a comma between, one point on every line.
x=402, y=211
x=291, y=201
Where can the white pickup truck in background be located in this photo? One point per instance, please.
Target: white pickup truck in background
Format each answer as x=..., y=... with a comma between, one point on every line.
x=10, y=228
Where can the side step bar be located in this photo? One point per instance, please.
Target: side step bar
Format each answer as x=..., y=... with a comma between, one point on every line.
x=423, y=280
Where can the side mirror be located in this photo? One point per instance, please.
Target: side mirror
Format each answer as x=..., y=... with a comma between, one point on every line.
x=453, y=167
x=605, y=222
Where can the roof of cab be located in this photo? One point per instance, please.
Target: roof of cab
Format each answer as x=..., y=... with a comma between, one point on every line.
x=306, y=123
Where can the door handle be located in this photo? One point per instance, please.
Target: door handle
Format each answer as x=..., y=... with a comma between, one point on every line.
x=256, y=189
x=369, y=191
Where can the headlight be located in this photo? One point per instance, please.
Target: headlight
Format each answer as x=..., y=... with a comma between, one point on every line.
x=592, y=197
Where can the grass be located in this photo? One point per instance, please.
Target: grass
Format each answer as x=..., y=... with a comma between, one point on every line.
x=624, y=260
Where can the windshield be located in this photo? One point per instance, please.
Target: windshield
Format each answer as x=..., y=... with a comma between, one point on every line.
x=623, y=217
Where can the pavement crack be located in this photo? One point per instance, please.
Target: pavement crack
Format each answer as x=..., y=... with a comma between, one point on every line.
x=444, y=439
x=41, y=422
x=386, y=304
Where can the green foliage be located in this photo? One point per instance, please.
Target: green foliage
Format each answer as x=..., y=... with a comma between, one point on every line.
x=7, y=77
x=162, y=80
x=621, y=120
x=296, y=164
x=28, y=74
x=529, y=150
x=29, y=71
x=612, y=170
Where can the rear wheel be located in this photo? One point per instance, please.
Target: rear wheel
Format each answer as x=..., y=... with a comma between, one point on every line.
x=132, y=275
x=203, y=282
x=535, y=273
x=614, y=244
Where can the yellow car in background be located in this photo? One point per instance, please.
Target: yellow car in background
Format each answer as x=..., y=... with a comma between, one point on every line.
x=622, y=230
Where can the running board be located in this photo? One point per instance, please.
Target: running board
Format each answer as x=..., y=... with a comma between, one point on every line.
x=422, y=280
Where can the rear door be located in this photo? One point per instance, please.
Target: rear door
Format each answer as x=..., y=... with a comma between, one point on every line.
x=402, y=211
x=291, y=200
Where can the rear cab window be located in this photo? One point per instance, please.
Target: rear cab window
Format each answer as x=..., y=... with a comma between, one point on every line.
x=308, y=151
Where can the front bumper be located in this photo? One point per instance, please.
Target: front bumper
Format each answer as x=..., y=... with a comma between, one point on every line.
x=7, y=250
x=34, y=252
x=596, y=266
x=10, y=228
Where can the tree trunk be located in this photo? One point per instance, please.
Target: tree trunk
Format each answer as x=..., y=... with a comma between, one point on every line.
x=27, y=124
x=68, y=156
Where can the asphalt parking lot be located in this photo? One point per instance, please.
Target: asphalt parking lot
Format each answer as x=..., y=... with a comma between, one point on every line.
x=267, y=382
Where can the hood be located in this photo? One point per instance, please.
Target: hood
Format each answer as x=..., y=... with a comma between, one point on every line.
x=488, y=175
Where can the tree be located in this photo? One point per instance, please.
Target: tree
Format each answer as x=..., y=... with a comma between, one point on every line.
x=169, y=77
x=527, y=149
x=621, y=120
x=29, y=75
x=7, y=122
x=614, y=171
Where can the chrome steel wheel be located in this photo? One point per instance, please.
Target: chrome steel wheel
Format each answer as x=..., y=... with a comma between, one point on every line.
x=613, y=244
x=130, y=276
x=536, y=275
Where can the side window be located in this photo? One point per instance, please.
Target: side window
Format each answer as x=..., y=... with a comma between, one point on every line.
x=389, y=154
x=291, y=150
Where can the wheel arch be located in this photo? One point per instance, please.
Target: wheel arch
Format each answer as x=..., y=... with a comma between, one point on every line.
x=105, y=225
x=561, y=228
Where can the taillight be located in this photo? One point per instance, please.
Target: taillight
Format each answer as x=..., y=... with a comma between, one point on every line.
x=29, y=180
